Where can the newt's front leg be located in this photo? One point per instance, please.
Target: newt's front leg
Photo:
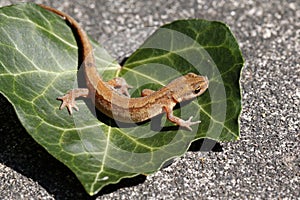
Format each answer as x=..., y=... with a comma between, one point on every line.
x=179, y=121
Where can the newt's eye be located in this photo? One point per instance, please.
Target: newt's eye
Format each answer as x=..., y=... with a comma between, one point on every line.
x=197, y=90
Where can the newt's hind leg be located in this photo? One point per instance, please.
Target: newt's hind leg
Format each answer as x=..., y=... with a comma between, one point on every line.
x=120, y=85
x=147, y=92
x=68, y=100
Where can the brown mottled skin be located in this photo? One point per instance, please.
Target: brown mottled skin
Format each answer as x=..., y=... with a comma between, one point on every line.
x=112, y=98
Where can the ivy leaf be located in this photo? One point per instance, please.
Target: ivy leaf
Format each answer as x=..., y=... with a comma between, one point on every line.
x=203, y=47
x=38, y=62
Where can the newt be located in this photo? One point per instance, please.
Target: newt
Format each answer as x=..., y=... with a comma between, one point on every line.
x=112, y=97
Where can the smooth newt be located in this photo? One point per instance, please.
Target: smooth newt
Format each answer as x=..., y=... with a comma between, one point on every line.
x=112, y=97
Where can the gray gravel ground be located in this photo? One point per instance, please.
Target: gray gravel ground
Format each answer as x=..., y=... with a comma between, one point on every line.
x=263, y=164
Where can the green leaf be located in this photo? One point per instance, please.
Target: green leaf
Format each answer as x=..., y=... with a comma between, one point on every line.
x=38, y=62
x=203, y=47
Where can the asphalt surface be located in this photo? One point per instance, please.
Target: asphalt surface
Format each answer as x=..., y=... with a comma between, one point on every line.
x=263, y=164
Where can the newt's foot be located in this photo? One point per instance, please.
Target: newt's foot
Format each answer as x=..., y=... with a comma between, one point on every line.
x=186, y=124
x=68, y=101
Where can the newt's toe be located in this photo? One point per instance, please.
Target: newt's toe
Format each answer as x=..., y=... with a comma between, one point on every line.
x=69, y=102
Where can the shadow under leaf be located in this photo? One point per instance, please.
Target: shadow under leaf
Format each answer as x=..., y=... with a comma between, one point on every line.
x=20, y=152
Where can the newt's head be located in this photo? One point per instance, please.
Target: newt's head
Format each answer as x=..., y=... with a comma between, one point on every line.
x=189, y=86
